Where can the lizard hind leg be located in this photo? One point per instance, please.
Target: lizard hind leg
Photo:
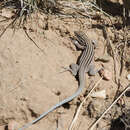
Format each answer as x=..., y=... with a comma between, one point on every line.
x=74, y=69
x=91, y=70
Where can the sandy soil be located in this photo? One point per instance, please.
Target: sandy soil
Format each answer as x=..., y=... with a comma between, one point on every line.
x=30, y=81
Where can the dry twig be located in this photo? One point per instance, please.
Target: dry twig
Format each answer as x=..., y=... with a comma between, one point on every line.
x=113, y=54
x=33, y=41
x=77, y=113
x=97, y=121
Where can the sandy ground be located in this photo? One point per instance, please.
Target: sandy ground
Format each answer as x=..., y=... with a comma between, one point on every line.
x=30, y=81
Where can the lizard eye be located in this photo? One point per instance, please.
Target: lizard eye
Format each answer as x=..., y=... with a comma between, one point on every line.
x=94, y=42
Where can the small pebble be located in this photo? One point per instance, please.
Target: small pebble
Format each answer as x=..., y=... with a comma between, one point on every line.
x=7, y=13
x=128, y=77
x=106, y=74
x=99, y=94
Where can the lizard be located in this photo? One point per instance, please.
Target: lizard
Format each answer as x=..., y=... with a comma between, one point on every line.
x=85, y=65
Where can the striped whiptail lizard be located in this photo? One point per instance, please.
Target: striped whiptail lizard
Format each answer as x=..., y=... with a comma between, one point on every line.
x=85, y=65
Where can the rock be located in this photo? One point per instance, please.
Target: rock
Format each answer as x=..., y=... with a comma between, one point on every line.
x=127, y=93
x=116, y=1
x=106, y=74
x=128, y=77
x=7, y=13
x=95, y=107
x=99, y=94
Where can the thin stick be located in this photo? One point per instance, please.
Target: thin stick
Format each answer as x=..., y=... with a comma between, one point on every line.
x=77, y=113
x=97, y=121
x=33, y=41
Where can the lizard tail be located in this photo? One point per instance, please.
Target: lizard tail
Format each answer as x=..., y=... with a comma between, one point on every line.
x=54, y=107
